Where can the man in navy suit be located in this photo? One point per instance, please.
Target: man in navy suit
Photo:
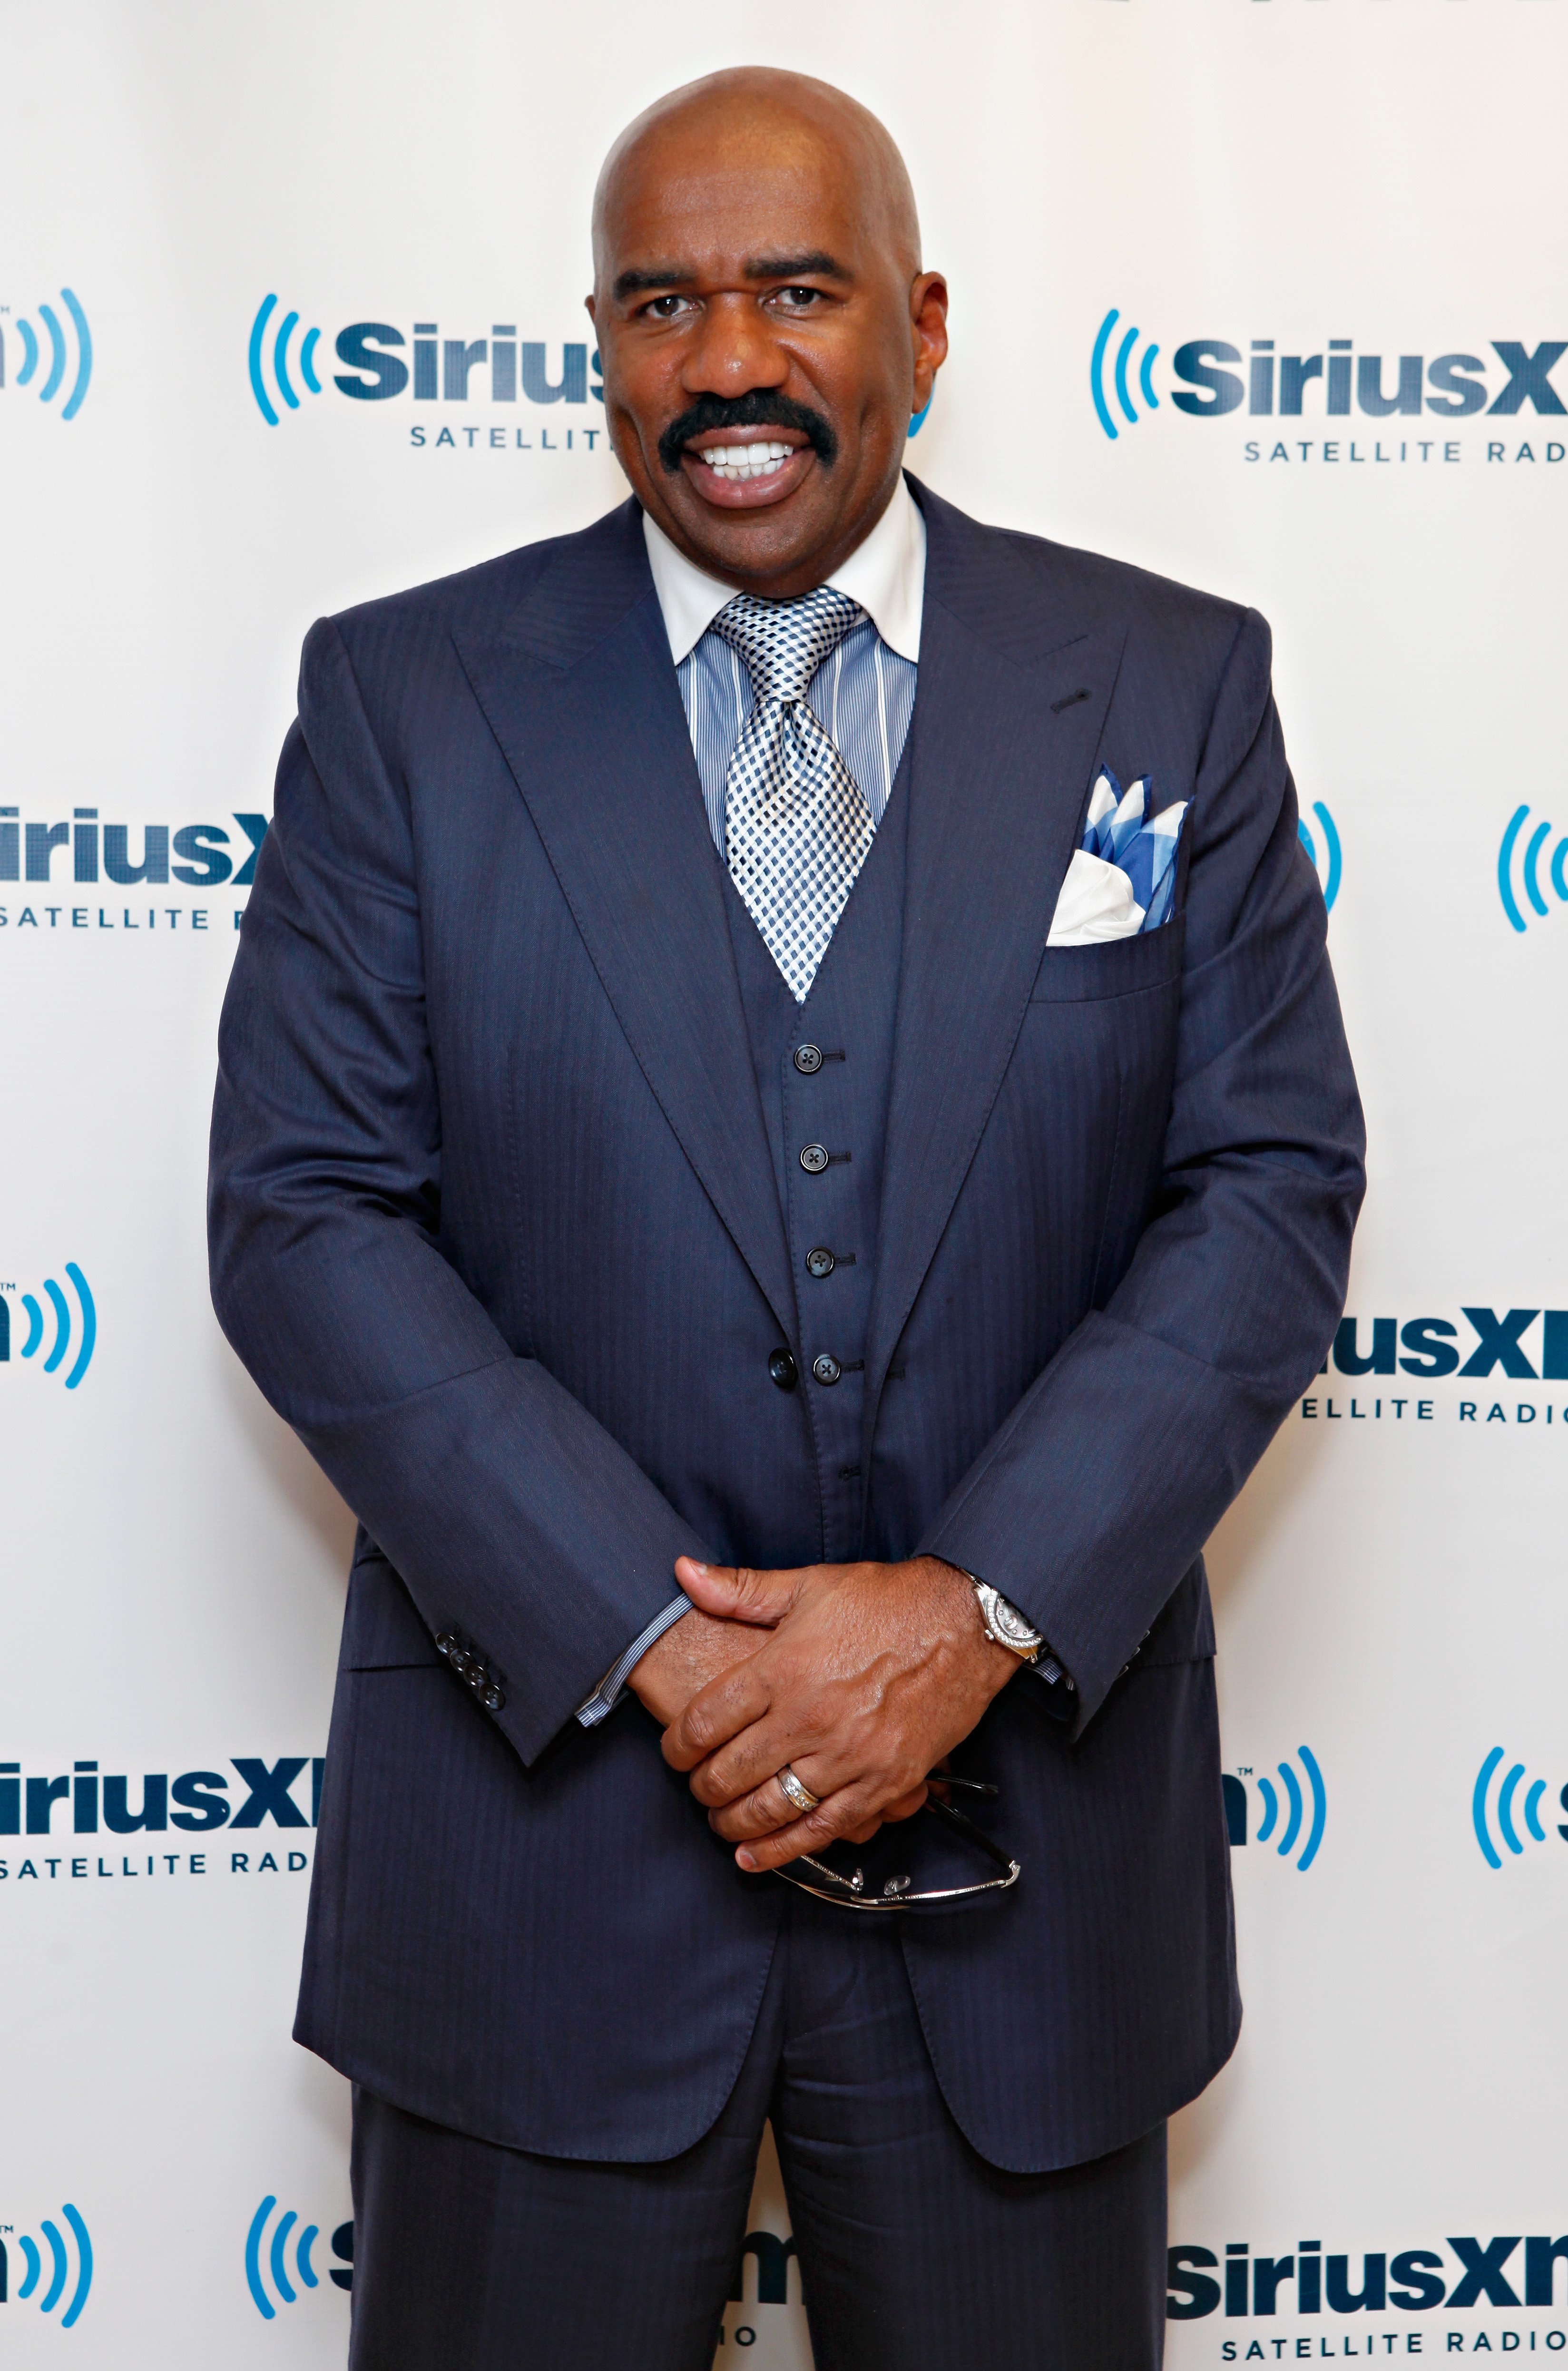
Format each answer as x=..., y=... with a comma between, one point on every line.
x=747, y=1263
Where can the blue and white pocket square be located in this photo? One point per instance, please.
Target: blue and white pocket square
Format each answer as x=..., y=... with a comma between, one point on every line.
x=1122, y=876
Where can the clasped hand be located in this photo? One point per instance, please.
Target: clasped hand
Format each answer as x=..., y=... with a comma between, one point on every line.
x=860, y=1676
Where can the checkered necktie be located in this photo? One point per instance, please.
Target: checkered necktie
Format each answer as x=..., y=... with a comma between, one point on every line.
x=796, y=822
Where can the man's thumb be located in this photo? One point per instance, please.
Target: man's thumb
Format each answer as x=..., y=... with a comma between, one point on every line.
x=737, y=1594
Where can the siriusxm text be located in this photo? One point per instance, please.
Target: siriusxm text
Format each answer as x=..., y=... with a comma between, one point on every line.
x=1305, y=2281
x=1434, y=1346
x=89, y=1800
x=1338, y=381
x=207, y=852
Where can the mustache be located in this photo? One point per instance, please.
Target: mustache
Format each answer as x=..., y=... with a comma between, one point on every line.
x=762, y=407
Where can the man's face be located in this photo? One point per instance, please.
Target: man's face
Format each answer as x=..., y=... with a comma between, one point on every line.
x=763, y=343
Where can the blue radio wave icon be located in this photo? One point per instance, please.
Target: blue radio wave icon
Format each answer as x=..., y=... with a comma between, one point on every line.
x=1295, y=1808
x=279, y=358
x=1296, y=1815
x=1119, y=376
x=59, y=2273
x=275, y=2258
x=65, y=1331
x=1502, y=1809
x=276, y=2261
x=1329, y=869
x=59, y=353
x=1557, y=871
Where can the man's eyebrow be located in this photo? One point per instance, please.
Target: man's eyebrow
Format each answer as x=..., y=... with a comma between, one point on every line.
x=797, y=267
x=634, y=283
x=817, y=265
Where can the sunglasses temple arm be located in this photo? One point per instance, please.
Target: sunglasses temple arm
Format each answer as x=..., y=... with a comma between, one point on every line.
x=967, y=1828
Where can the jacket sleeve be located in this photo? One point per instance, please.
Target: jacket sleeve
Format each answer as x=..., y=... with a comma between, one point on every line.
x=1090, y=1503
x=516, y=1521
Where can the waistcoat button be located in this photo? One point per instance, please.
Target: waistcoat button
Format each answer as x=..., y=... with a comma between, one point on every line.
x=826, y=1369
x=782, y=1369
x=820, y=1262
x=813, y=1159
x=808, y=1058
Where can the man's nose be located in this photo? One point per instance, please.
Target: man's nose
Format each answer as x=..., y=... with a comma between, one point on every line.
x=735, y=352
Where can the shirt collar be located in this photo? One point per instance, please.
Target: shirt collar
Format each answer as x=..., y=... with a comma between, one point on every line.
x=885, y=575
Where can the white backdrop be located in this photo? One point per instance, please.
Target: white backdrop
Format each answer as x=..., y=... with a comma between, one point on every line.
x=1218, y=172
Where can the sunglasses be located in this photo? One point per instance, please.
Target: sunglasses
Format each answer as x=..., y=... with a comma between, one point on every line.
x=901, y=1892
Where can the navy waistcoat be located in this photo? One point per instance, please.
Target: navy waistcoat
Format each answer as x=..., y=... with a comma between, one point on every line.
x=836, y=1104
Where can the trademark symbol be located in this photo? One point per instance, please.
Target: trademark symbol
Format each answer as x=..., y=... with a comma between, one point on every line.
x=1243, y=1769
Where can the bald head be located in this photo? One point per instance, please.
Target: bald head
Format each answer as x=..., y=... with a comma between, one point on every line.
x=753, y=117
x=765, y=328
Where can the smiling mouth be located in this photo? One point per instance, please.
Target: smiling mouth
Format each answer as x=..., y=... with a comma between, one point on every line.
x=735, y=463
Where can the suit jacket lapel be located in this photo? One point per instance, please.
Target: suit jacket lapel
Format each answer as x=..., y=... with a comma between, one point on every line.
x=1008, y=718
x=580, y=693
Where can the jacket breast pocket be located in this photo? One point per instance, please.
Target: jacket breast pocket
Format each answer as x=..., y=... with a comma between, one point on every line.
x=1116, y=967
x=383, y=1628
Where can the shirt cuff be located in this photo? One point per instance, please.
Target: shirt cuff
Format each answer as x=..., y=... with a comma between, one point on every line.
x=606, y=1696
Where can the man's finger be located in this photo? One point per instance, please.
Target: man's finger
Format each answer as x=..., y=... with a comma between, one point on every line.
x=732, y=1702
x=736, y=1592
x=761, y=1814
x=766, y=1811
x=748, y=1758
x=812, y=1832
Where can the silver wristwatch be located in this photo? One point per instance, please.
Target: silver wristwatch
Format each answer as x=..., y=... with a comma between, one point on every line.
x=1004, y=1622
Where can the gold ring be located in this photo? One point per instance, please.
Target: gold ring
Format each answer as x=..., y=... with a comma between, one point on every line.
x=796, y=1791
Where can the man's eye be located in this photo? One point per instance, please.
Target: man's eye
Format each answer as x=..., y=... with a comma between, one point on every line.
x=802, y=296
x=665, y=308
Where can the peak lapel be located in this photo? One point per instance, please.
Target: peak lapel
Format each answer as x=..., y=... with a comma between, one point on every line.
x=581, y=695
x=1008, y=720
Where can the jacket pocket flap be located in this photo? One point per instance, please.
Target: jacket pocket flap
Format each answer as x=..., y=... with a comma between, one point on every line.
x=1183, y=1629
x=382, y=1625
x=1113, y=968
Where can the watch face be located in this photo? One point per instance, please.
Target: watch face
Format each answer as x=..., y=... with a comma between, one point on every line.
x=1013, y=1627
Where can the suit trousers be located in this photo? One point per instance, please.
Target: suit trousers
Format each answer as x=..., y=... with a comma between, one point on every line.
x=914, y=2252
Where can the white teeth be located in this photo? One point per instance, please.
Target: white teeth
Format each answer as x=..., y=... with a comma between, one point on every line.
x=736, y=462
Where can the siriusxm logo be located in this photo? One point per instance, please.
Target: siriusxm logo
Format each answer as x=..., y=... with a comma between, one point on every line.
x=68, y=2268
x=1337, y=381
x=73, y=354
x=1529, y=872
x=280, y=2261
x=1413, y=2281
x=209, y=854
x=1294, y=1815
x=1328, y=865
x=1499, y=1812
x=200, y=1798
x=1431, y=1346
x=439, y=369
x=84, y=1335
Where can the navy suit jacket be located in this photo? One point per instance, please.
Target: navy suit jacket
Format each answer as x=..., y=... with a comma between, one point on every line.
x=495, y=1227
